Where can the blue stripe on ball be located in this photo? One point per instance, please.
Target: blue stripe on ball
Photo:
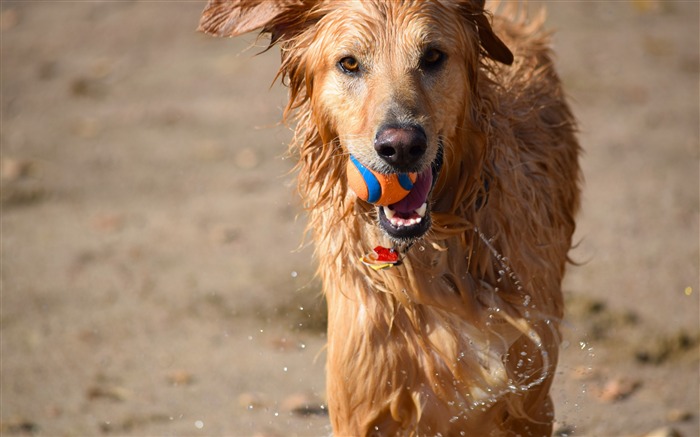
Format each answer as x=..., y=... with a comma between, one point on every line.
x=374, y=190
x=405, y=181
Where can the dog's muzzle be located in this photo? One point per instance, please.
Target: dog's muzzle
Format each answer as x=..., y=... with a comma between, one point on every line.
x=409, y=219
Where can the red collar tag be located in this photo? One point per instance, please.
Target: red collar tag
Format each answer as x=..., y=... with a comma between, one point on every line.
x=381, y=258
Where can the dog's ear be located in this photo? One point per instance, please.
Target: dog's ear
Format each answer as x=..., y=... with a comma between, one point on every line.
x=493, y=47
x=236, y=17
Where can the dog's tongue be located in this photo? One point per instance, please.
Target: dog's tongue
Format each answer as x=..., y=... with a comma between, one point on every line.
x=418, y=194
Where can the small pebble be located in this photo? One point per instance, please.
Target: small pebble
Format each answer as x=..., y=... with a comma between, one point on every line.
x=180, y=377
x=678, y=415
x=9, y=18
x=303, y=404
x=111, y=392
x=87, y=128
x=246, y=159
x=266, y=434
x=14, y=169
x=666, y=431
x=224, y=234
x=563, y=430
x=108, y=222
x=249, y=400
x=618, y=389
x=18, y=426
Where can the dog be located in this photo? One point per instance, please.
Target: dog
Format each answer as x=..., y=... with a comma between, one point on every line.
x=454, y=331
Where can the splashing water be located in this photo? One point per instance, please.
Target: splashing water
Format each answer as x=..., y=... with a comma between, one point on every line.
x=502, y=261
x=521, y=325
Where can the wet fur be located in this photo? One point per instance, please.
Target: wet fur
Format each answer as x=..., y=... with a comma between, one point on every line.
x=462, y=339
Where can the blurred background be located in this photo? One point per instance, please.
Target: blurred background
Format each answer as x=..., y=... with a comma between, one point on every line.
x=155, y=279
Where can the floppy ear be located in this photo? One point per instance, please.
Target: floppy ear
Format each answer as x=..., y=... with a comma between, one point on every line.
x=236, y=17
x=493, y=47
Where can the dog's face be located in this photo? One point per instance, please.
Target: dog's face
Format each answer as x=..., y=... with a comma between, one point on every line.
x=388, y=81
x=391, y=82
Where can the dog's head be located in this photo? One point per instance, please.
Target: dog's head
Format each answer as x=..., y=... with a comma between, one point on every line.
x=385, y=81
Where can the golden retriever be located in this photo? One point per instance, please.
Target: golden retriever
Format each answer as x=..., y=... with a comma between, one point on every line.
x=460, y=335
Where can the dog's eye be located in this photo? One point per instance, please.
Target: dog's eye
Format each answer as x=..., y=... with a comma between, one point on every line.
x=432, y=59
x=349, y=65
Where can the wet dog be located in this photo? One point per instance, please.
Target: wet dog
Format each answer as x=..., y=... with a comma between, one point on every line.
x=457, y=332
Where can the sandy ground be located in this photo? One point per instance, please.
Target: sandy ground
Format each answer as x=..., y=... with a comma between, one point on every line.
x=154, y=280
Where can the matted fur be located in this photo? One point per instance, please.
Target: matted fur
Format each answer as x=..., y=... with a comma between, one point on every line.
x=462, y=338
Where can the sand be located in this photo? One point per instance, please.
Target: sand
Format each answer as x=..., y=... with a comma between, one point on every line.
x=154, y=276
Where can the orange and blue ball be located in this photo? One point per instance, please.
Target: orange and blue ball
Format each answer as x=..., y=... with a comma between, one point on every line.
x=378, y=188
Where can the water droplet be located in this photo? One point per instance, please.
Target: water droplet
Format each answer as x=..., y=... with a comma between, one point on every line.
x=199, y=424
x=421, y=248
x=294, y=274
x=285, y=369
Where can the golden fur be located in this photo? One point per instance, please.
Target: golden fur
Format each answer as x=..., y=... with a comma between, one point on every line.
x=462, y=338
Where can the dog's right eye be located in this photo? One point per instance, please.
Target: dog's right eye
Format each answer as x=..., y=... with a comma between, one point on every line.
x=432, y=59
x=349, y=65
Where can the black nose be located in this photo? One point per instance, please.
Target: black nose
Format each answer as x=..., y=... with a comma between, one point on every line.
x=402, y=147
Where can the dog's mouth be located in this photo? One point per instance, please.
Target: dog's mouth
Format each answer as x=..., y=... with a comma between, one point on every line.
x=409, y=219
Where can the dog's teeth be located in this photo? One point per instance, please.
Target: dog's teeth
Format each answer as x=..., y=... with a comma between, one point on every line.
x=400, y=222
x=388, y=212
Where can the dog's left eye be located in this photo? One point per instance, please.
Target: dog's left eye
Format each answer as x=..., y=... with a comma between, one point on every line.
x=432, y=59
x=349, y=65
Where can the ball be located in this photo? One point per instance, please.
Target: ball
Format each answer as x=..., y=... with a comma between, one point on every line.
x=378, y=188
